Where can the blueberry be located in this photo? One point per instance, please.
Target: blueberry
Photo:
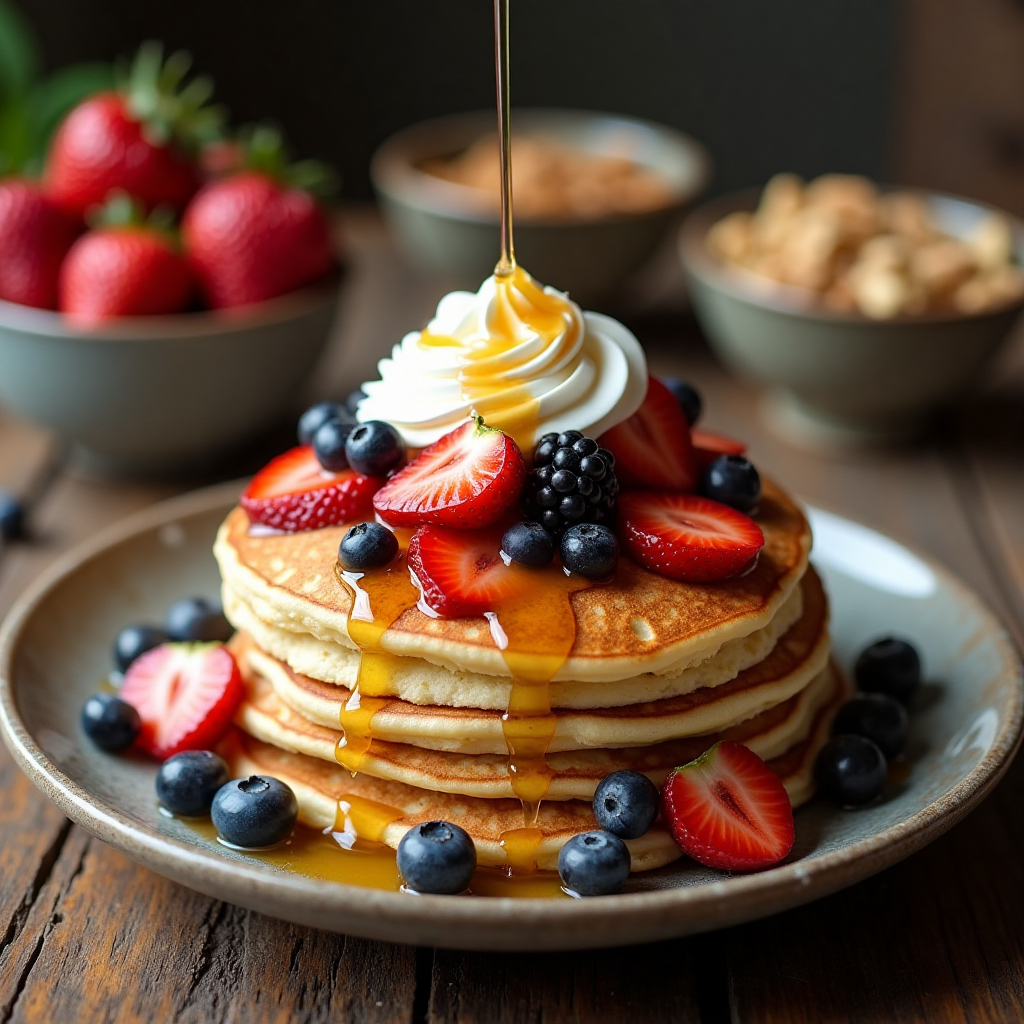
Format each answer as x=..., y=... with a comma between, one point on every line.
x=317, y=415
x=876, y=716
x=528, y=544
x=687, y=396
x=850, y=770
x=732, y=480
x=590, y=550
x=187, y=782
x=254, y=812
x=12, y=516
x=367, y=546
x=329, y=444
x=594, y=864
x=111, y=723
x=626, y=804
x=889, y=666
x=353, y=400
x=374, y=448
x=437, y=857
x=194, y=619
x=134, y=641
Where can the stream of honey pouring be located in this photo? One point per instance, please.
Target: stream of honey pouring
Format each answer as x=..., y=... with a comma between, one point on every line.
x=535, y=629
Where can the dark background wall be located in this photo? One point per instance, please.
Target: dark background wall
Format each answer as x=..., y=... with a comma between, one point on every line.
x=767, y=85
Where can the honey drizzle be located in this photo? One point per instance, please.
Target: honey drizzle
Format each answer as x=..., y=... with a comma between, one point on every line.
x=535, y=632
x=520, y=846
x=379, y=597
x=329, y=856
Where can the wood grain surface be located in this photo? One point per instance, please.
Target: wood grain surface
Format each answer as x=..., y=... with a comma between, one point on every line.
x=86, y=935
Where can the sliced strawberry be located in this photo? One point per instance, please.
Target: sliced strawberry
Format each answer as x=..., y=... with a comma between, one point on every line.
x=652, y=448
x=185, y=694
x=461, y=573
x=468, y=479
x=294, y=492
x=707, y=446
x=686, y=537
x=729, y=810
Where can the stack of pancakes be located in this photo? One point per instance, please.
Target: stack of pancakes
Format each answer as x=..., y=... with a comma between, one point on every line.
x=656, y=672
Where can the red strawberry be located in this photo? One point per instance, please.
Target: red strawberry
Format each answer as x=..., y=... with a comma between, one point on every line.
x=729, y=810
x=136, y=140
x=686, y=537
x=185, y=694
x=123, y=270
x=468, y=479
x=461, y=573
x=707, y=446
x=652, y=448
x=35, y=234
x=294, y=492
x=251, y=238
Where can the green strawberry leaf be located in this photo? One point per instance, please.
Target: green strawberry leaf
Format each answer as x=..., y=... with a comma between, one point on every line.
x=19, y=53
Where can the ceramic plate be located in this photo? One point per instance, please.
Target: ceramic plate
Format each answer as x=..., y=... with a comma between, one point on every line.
x=55, y=650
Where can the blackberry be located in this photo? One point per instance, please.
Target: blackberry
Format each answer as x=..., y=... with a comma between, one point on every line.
x=572, y=481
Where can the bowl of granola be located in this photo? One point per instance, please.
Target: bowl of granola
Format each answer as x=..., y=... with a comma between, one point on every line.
x=863, y=308
x=595, y=194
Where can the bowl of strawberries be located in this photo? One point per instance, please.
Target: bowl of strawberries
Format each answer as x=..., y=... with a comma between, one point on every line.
x=165, y=288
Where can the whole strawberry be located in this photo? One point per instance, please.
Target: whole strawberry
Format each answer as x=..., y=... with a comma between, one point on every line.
x=139, y=139
x=35, y=234
x=251, y=237
x=124, y=267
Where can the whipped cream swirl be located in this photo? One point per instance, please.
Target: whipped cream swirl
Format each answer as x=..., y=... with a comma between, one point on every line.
x=522, y=356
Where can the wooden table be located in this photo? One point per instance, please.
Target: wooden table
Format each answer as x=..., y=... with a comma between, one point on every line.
x=86, y=935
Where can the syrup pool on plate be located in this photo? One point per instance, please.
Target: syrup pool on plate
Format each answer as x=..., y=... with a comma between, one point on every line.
x=334, y=856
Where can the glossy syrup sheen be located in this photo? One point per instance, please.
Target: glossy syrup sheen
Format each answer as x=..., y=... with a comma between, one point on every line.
x=494, y=366
x=334, y=856
x=535, y=631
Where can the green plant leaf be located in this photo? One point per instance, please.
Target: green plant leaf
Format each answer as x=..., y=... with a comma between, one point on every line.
x=15, y=140
x=19, y=53
x=53, y=97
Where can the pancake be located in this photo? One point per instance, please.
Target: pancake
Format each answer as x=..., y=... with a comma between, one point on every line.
x=321, y=789
x=576, y=773
x=421, y=682
x=798, y=657
x=640, y=622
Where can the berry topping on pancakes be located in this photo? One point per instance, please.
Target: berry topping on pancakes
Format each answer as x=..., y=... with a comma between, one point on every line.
x=652, y=448
x=686, y=537
x=468, y=479
x=294, y=492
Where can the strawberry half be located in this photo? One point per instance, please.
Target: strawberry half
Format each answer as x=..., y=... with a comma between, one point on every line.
x=185, y=694
x=729, y=810
x=467, y=479
x=652, y=448
x=462, y=573
x=686, y=537
x=707, y=446
x=294, y=492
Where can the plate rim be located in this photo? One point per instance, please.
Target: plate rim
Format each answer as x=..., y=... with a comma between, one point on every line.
x=508, y=923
